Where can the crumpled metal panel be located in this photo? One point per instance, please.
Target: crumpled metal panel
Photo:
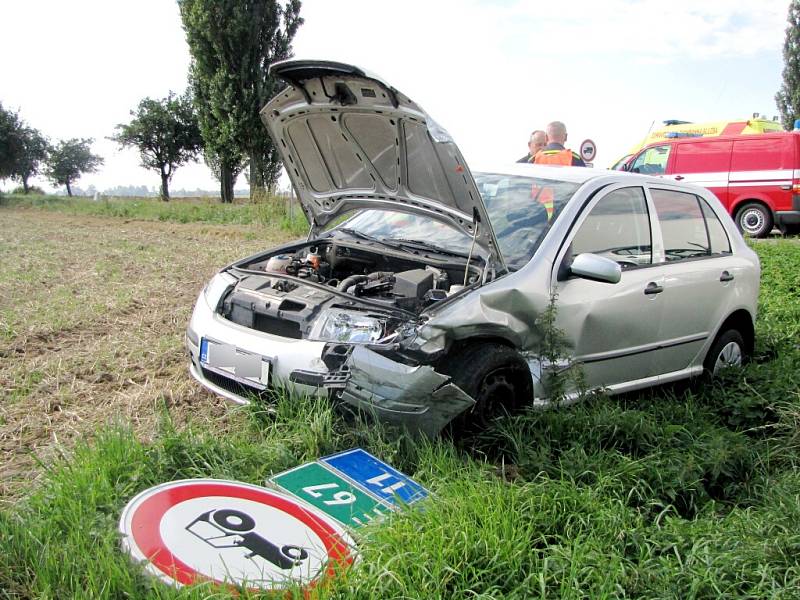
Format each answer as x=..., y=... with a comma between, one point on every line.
x=506, y=309
x=417, y=397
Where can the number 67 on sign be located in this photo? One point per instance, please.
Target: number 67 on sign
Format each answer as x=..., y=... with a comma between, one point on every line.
x=329, y=492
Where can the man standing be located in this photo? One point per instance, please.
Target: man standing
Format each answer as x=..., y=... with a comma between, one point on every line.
x=554, y=153
x=536, y=142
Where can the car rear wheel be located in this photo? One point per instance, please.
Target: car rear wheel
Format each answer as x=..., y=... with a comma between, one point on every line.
x=754, y=219
x=494, y=375
x=728, y=350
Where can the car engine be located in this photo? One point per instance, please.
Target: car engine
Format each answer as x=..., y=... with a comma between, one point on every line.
x=271, y=295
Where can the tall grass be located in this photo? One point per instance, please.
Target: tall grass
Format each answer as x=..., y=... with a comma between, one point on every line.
x=269, y=211
x=680, y=492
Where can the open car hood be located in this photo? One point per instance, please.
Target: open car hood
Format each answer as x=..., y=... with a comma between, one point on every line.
x=349, y=140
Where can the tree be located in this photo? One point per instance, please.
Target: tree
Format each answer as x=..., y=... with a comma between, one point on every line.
x=165, y=132
x=233, y=42
x=10, y=142
x=71, y=158
x=33, y=153
x=22, y=148
x=214, y=165
x=788, y=97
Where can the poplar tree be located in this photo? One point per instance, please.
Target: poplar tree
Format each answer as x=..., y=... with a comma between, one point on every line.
x=232, y=43
x=788, y=97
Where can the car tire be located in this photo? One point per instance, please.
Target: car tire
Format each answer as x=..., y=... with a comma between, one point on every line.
x=754, y=219
x=494, y=375
x=728, y=350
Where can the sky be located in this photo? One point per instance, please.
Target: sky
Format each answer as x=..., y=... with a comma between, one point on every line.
x=488, y=71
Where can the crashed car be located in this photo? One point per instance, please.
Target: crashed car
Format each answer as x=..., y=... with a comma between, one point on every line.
x=420, y=293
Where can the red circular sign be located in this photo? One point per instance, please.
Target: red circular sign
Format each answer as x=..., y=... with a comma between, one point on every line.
x=588, y=150
x=234, y=533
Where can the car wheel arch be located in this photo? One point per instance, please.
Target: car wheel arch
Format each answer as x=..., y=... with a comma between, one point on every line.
x=480, y=347
x=742, y=321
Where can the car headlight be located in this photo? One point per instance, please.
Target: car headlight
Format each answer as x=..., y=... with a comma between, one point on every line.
x=336, y=325
x=216, y=288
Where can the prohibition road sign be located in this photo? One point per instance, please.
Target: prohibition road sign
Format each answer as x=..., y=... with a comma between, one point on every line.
x=588, y=150
x=234, y=533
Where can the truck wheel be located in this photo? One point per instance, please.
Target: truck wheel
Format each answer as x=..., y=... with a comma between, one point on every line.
x=754, y=219
x=497, y=378
x=728, y=350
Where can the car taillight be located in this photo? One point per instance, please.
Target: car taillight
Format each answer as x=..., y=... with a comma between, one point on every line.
x=795, y=186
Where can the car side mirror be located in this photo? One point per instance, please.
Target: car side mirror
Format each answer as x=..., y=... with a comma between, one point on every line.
x=623, y=167
x=596, y=268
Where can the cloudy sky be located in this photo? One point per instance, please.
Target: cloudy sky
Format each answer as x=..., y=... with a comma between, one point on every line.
x=488, y=71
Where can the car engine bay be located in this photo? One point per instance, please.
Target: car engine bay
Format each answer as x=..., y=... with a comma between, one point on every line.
x=286, y=293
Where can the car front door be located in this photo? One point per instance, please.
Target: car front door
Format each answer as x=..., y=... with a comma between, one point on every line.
x=612, y=328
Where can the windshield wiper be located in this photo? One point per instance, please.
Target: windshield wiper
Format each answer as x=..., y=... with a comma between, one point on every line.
x=365, y=236
x=427, y=246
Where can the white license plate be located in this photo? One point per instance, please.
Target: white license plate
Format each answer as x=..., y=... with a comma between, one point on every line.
x=228, y=360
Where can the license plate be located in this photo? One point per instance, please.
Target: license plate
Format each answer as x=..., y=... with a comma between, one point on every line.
x=230, y=361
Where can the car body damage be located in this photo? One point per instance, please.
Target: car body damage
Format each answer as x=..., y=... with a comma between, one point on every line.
x=436, y=293
x=416, y=397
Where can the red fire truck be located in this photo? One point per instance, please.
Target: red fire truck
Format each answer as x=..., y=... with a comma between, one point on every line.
x=756, y=177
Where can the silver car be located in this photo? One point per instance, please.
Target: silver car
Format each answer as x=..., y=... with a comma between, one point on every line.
x=427, y=293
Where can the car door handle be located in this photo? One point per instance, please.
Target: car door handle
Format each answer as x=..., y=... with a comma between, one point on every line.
x=679, y=177
x=726, y=276
x=653, y=288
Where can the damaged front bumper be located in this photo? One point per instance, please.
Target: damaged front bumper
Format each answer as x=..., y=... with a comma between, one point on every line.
x=416, y=397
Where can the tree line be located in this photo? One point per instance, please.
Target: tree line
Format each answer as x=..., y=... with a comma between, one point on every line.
x=232, y=43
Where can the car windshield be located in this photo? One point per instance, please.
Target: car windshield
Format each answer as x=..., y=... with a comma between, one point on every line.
x=521, y=210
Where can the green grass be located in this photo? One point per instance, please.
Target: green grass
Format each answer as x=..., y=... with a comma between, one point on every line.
x=270, y=212
x=680, y=492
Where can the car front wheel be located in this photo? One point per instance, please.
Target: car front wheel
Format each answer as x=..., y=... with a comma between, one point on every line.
x=496, y=377
x=728, y=350
x=754, y=219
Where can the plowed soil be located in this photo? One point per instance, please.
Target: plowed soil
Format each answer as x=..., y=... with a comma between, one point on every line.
x=92, y=317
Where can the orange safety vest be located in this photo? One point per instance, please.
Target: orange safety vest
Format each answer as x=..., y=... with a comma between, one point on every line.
x=553, y=157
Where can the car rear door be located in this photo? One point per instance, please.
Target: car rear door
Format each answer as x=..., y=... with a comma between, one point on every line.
x=699, y=273
x=612, y=328
x=703, y=162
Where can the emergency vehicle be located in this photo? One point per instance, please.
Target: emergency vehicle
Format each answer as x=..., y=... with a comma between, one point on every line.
x=680, y=129
x=756, y=177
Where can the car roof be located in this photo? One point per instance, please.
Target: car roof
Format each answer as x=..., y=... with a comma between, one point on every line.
x=582, y=175
x=572, y=174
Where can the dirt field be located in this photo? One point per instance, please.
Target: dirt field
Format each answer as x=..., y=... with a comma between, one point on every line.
x=92, y=315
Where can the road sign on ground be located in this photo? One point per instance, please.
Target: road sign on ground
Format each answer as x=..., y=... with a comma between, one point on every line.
x=234, y=533
x=332, y=494
x=376, y=476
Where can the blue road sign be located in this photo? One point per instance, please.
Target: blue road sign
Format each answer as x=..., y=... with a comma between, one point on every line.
x=376, y=476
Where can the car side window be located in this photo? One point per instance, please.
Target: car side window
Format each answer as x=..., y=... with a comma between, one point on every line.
x=618, y=227
x=684, y=226
x=720, y=244
x=652, y=161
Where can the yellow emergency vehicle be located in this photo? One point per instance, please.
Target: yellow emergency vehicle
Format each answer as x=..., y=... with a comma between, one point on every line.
x=677, y=129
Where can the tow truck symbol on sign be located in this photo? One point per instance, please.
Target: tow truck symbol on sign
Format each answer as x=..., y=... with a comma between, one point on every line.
x=226, y=528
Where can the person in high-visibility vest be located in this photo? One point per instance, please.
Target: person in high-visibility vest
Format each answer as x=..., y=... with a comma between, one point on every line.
x=554, y=153
x=536, y=142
